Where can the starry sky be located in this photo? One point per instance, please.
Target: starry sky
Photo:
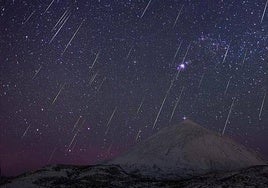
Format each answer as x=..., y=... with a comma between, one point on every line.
x=83, y=81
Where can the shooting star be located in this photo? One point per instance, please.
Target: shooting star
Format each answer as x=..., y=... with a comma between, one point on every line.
x=225, y=55
x=138, y=135
x=49, y=6
x=146, y=8
x=36, y=72
x=75, y=135
x=227, y=86
x=76, y=123
x=25, y=132
x=227, y=120
x=65, y=20
x=95, y=60
x=73, y=37
x=176, y=104
x=111, y=117
x=186, y=53
x=73, y=139
x=262, y=104
x=93, y=78
x=163, y=102
x=201, y=80
x=58, y=93
x=101, y=84
x=174, y=58
x=264, y=11
x=74, y=145
x=63, y=17
x=28, y=17
x=140, y=105
x=129, y=52
x=178, y=16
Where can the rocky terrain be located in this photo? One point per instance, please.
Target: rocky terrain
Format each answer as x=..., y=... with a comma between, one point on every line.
x=62, y=176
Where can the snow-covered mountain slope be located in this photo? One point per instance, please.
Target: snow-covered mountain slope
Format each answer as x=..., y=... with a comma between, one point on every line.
x=186, y=150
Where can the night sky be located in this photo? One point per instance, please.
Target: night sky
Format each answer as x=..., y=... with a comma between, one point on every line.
x=83, y=81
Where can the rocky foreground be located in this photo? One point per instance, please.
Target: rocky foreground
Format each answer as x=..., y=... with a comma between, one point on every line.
x=61, y=176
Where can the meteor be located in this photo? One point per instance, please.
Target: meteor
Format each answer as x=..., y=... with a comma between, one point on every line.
x=37, y=72
x=227, y=120
x=146, y=8
x=176, y=104
x=178, y=16
x=111, y=117
x=28, y=17
x=264, y=11
x=58, y=94
x=49, y=6
x=263, y=101
x=72, y=37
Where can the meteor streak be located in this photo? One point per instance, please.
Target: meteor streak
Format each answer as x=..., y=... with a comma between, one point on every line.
x=49, y=6
x=262, y=104
x=227, y=120
x=146, y=8
x=225, y=55
x=176, y=104
x=111, y=117
x=28, y=17
x=58, y=94
x=163, y=102
x=72, y=37
x=178, y=16
x=37, y=72
x=264, y=11
x=65, y=20
x=226, y=89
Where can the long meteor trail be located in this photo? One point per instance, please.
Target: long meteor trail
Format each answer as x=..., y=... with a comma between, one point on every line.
x=227, y=120
x=226, y=53
x=73, y=37
x=58, y=93
x=264, y=11
x=37, y=72
x=28, y=17
x=110, y=119
x=174, y=58
x=178, y=16
x=65, y=20
x=146, y=8
x=162, y=104
x=64, y=15
x=227, y=86
x=49, y=6
x=176, y=104
x=262, y=104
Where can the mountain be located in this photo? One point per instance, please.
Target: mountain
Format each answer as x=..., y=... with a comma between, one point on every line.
x=186, y=150
x=184, y=155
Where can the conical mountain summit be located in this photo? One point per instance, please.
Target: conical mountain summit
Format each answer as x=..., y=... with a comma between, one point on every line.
x=186, y=149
